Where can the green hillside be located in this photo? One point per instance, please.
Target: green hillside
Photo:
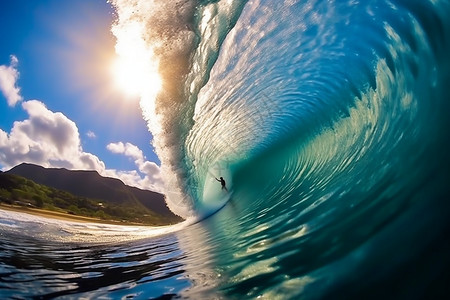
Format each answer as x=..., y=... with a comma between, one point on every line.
x=90, y=184
x=17, y=190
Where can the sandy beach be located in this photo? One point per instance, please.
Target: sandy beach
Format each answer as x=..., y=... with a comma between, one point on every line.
x=62, y=216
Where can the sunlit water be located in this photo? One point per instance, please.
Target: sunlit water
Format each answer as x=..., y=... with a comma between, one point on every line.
x=329, y=121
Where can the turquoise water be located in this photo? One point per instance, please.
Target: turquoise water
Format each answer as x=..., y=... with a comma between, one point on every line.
x=329, y=121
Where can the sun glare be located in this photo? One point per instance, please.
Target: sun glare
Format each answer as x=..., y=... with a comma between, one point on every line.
x=135, y=77
x=135, y=69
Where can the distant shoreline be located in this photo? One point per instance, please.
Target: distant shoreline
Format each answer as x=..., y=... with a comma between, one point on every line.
x=65, y=216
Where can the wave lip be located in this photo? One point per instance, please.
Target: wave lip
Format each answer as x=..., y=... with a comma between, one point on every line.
x=184, y=39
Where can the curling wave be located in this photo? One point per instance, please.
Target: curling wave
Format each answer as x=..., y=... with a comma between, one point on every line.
x=298, y=100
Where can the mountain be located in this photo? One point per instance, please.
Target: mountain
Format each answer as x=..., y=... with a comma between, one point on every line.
x=90, y=184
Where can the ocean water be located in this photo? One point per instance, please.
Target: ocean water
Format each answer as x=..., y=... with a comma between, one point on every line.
x=329, y=121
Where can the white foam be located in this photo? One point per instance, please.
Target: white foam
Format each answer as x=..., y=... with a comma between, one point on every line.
x=72, y=231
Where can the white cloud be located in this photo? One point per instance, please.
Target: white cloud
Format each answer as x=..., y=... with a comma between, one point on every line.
x=117, y=148
x=8, y=80
x=152, y=174
x=90, y=134
x=46, y=138
x=50, y=139
x=127, y=149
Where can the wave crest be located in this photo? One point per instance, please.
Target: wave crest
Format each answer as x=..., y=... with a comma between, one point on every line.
x=184, y=38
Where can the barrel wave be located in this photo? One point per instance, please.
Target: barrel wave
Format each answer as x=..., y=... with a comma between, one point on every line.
x=328, y=121
x=298, y=100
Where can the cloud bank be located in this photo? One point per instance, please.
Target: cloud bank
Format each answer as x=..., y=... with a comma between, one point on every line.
x=50, y=139
x=46, y=138
x=8, y=81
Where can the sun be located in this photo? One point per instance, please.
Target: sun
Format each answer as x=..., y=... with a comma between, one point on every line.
x=135, y=68
x=135, y=76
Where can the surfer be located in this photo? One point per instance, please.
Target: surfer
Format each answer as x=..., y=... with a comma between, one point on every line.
x=223, y=183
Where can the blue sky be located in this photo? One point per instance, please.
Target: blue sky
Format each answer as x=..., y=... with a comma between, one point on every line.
x=59, y=103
